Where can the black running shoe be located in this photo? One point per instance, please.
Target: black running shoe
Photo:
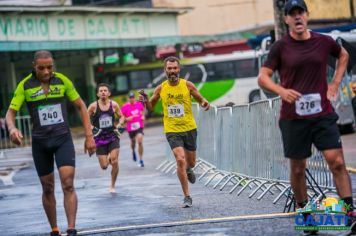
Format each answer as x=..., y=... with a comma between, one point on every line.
x=55, y=233
x=187, y=202
x=71, y=232
x=191, y=175
x=352, y=223
x=309, y=232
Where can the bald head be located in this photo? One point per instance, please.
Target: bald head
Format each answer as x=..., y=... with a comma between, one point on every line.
x=43, y=54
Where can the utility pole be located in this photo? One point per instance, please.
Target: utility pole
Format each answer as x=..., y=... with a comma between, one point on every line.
x=352, y=11
x=279, y=26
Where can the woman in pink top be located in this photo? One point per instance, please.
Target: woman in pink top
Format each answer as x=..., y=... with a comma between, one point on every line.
x=134, y=113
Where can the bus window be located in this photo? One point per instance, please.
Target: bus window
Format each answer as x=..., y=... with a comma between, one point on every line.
x=157, y=72
x=121, y=84
x=192, y=73
x=224, y=70
x=158, y=76
x=140, y=79
x=247, y=68
x=210, y=71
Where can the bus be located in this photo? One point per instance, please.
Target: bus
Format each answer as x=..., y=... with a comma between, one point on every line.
x=221, y=79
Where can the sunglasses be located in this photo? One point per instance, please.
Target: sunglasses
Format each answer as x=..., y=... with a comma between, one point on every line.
x=50, y=67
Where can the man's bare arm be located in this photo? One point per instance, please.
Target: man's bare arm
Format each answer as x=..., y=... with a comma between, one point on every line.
x=340, y=68
x=151, y=103
x=341, y=65
x=10, y=119
x=91, y=109
x=265, y=82
x=15, y=134
x=119, y=114
x=89, y=144
x=197, y=96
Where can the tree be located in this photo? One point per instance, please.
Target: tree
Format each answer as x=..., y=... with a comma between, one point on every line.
x=279, y=26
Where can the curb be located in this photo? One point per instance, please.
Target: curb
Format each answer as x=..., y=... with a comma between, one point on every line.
x=185, y=222
x=351, y=169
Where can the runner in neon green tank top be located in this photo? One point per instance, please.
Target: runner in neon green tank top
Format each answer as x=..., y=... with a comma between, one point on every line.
x=178, y=120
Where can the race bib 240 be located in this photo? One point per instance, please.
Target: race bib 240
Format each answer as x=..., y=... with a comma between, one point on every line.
x=50, y=115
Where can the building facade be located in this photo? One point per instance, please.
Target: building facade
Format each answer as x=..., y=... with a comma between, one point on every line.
x=226, y=16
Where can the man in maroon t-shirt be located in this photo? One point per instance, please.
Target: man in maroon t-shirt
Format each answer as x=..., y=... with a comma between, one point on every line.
x=307, y=116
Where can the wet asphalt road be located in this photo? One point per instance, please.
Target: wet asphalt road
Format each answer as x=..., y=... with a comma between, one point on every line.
x=147, y=201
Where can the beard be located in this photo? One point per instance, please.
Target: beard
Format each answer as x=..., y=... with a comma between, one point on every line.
x=173, y=77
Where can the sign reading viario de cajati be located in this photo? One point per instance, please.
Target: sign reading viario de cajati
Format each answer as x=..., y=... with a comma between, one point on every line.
x=56, y=27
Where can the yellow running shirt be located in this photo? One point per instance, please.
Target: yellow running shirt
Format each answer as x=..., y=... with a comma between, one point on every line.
x=177, y=107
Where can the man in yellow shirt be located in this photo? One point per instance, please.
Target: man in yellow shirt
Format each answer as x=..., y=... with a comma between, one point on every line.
x=178, y=120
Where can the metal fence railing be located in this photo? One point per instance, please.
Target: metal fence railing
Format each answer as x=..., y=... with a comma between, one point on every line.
x=10, y=160
x=23, y=123
x=240, y=147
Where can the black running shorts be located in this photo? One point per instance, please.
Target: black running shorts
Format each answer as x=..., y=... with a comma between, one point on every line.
x=106, y=149
x=133, y=134
x=187, y=140
x=46, y=150
x=299, y=135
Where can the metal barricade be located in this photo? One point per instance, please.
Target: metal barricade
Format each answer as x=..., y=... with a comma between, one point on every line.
x=319, y=169
x=224, y=132
x=241, y=135
x=221, y=165
x=10, y=161
x=241, y=147
x=206, y=140
x=23, y=123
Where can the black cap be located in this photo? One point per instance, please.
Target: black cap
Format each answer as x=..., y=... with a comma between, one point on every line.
x=131, y=95
x=291, y=4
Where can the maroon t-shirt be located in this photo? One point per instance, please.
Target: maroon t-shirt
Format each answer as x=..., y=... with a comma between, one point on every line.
x=302, y=66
